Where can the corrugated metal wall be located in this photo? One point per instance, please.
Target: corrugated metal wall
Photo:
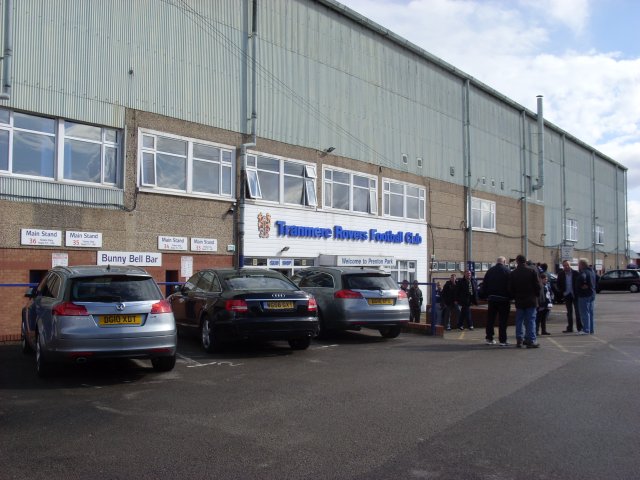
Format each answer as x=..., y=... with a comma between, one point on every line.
x=323, y=80
x=72, y=59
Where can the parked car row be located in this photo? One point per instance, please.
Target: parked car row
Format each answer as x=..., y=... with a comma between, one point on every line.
x=89, y=312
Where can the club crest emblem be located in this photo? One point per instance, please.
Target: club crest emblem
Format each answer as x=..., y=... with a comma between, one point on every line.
x=264, y=225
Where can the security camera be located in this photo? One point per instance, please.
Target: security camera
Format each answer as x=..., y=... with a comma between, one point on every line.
x=231, y=209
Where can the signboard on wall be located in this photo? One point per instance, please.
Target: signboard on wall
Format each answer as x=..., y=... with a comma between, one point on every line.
x=566, y=252
x=186, y=267
x=83, y=239
x=39, y=237
x=59, y=260
x=204, y=245
x=138, y=259
x=172, y=243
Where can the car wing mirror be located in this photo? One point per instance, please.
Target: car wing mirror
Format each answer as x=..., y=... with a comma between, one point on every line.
x=31, y=292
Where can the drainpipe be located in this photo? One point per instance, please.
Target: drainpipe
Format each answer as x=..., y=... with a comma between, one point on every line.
x=243, y=148
x=8, y=50
x=617, y=220
x=467, y=171
x=593, y=209
x=540, y=182
x=524, y=185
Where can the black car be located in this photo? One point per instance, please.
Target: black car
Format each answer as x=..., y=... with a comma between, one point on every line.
x=245, y=304
x=619, y=280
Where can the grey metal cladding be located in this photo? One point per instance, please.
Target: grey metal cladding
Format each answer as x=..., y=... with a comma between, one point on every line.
x=30, y=190
x=184, y=63
x=331, y=81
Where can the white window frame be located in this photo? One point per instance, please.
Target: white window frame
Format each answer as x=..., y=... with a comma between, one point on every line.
x=226, y=160
x=59, y=140
x=309, y=180
x=387, y=194
x=483, y=206
x=404, y=270
x=328, y=183
x=571, y=230
x=599, y=235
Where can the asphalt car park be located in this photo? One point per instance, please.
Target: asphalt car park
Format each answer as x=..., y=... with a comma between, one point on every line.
x=355, y=405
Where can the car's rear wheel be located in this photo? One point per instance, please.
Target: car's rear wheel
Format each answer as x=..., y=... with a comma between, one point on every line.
x=163, y=364
x=300, y=343
x=390, y=332
x=323, y=331
x=42, y=366
x=209, y=341
x=633, y=288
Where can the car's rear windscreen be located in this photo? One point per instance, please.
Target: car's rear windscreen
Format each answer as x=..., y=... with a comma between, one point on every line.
x=369, y=282
x=114, y=288
x=258, y=282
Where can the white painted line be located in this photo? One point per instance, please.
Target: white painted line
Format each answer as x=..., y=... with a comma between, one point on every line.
x=321, y=347
x=219, y=364
x=187, y=359
x=558, y=345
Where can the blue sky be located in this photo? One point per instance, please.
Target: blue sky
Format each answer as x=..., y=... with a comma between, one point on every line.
x=582, y=55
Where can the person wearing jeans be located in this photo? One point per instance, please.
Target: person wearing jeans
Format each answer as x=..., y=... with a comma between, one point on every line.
x=567, y=278
x=524, y=287
x=586, y=292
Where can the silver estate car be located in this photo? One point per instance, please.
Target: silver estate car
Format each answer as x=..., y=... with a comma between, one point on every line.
x=350, y=298
x=86, y=312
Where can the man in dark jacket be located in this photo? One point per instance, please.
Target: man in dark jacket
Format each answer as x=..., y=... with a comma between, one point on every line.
x=466, y=294
x=448, y=298
x=567, y=278
x=496, y=288
x=524, y=287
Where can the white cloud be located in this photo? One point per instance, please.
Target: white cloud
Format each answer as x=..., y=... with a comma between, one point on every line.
x=508, y=46
x=572, y=13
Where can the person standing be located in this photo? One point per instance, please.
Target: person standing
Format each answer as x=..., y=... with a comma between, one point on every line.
x=524, y=287
x=466, y=294
x=586, y=292
x=496, y=288
x=567, y=278
x=449, y=301
x=545, y=302
x=415, y=302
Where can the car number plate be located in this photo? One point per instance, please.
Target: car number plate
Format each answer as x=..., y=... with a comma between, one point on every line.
x=120, y=320
x=381, y=301
x=279, y=305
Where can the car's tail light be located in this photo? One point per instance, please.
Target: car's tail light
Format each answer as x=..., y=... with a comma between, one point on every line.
x=347, y=294
x=236, y=306
x=68, y=309
x=163, y=306
x=313, y=306
x=402, y=294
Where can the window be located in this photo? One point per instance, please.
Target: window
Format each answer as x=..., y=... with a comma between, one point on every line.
x=599, y=234
x=350, y=191
x=185, y=165
x=59, y=149
x=404, y=270
x=281, y=181
x=571, y=230
x=403, y=200
x=483, y=215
